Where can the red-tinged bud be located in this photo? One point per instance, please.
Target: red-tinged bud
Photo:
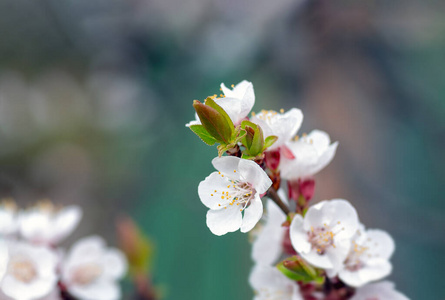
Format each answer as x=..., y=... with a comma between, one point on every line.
x=287, y=245
x=136, y=246
x=304, y=188
x=272, y=159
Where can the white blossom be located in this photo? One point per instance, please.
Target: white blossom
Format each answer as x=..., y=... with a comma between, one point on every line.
x=235, y=189
x=268, y=245
x=237, y=102
x=311, y=153
x=269, y=283
x=323, y=236
x=384, y=290
x=283, y=125
x=368, y=258
x=45, y=224
x=8, y=218
x=31, y=271
x=91, y=270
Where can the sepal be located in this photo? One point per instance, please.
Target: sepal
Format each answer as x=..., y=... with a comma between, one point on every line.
x=296, y=268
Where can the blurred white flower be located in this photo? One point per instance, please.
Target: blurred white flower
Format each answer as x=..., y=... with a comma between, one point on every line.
x=283, y=125
x=268, y=245
x=311, y=153
x=323, y=236
x=236, y=188
x=8, y=218
x=31, y=271
x=368, y=258
x=269, y=283
x=384, y=290
x=45, y=224
x=91, y=270
x=237, y=102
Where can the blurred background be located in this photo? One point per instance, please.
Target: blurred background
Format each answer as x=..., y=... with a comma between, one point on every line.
x=94, y=95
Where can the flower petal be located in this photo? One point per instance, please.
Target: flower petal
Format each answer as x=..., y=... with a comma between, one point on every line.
x=381, y=243
x=252, y=214
x=383, y=290
x=100, y=290
x=267, y=247
x=223, y=221
x=65, y=222
x=252, y=173
x=298, y=236
x=228, y=165
x=206, y=190
x=115, y=264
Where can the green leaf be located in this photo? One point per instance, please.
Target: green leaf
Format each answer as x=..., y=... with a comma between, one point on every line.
x=202, y=133
x=257, y=142
x=214, y=122
x=250, y=133
x=247, y=156
x=269, y=141
x=298, y=269
x=210, y=102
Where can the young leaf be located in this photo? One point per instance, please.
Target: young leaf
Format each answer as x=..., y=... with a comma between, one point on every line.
x=202, y=133
x=210, y=102
x=269, y=141
x=214, y=122
x=257, y=142
x=298, y=269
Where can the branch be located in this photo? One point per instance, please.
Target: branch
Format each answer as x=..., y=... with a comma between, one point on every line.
x=272, y=194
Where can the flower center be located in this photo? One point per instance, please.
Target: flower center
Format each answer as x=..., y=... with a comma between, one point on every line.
x=322, y=238
x=86, y=274
x=23, y=270
x=353, y=262
x=237, y=193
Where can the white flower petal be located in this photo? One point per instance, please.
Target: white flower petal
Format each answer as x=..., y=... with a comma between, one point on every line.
x=342, y=217
x=312, y=153
x=381, y=244
x=253, y=174
x=378, y=291
x=206, y=190
x=284, y=126
x=8, y=220
x=102, y=290
x=232, y=107
x=299, y=236
x=65, y=222
x=115, y=264
x=227, y=165
x=375, y=269
x=267, y=247
x=322, y=261
x=320, y=140
x=252, y=214
x=223, y=221
x=324, y=159
x=20, y=290
x=89, y=248
x=268, y=283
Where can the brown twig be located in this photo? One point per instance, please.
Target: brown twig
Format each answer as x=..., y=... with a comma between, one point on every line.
x=272, y=194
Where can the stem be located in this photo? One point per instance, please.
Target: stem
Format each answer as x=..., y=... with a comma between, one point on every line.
x=272, y=193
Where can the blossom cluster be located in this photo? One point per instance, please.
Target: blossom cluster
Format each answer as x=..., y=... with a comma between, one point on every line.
x=300, y=251
x=33, y=266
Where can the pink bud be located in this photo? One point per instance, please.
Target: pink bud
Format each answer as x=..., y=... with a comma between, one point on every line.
x=272, y=159
x=299, y=187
